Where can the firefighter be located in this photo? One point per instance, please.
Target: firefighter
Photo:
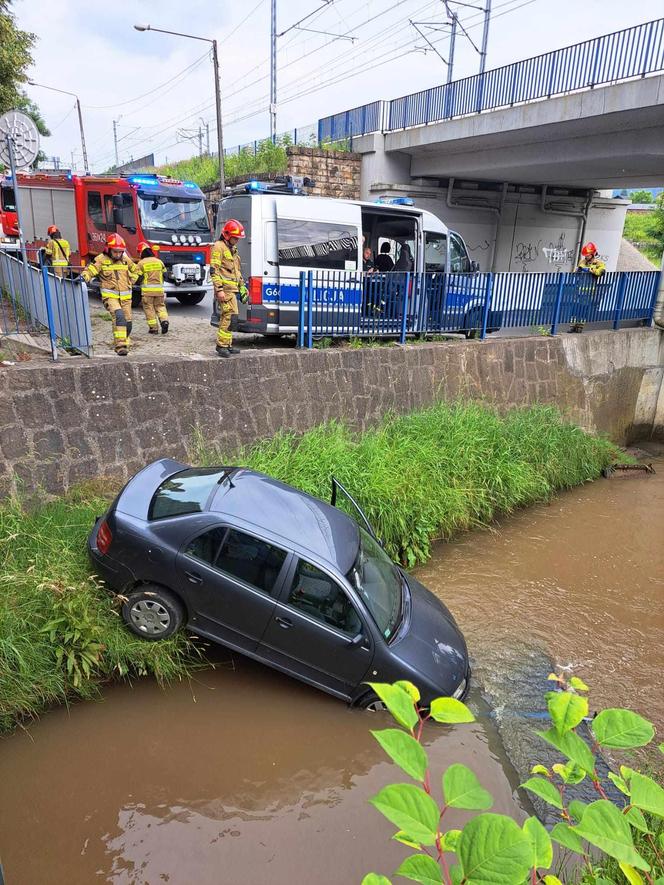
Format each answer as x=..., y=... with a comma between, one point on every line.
x=591, y=262
x=226, y=274
x=152, y=288
x=57, y=251
x=117, y=273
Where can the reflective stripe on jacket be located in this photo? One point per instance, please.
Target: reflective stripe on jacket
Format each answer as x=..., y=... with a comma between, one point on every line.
x=595, y=266
x=58, y=252
x=225, y=267
x=152, y=270
x=115, y=277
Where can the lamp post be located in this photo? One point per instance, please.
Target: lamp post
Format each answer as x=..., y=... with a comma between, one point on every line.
x=217, y=91
x=80, y=119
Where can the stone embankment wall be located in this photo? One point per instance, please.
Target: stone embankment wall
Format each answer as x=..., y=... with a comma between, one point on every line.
x=69, y=422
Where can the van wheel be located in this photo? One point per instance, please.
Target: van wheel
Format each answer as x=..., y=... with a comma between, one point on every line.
x=190, y=298
x=152, y=612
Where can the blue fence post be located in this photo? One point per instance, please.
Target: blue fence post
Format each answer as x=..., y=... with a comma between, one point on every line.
x=556, y=307
x=622, y=285
x=310, y=305
x=659, y=282
x=646, y=53
x=300, y=312
x=404, y=318
x=487, y=304
x=49, y=308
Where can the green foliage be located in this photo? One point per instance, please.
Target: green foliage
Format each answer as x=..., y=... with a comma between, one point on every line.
x=646, y=230
x=204, y=170
x=642, y=196
x=615, y=841
x=433, y=473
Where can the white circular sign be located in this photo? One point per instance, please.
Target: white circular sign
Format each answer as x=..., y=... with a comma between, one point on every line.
x=23, y=133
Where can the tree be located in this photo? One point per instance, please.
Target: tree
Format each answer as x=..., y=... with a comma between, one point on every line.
x=642, y=196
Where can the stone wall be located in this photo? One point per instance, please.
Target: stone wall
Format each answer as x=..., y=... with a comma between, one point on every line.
x=67, y=422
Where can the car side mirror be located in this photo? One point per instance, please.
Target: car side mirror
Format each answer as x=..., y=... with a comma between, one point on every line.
x=474, y=266
x=356, y=641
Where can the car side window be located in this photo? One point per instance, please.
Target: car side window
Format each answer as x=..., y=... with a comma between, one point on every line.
x=319, y=596
x=243, y=556
x=459, y=261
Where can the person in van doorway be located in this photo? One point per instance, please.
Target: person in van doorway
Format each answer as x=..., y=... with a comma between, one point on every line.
x=226, y=275
x=117, y=273
x=367, y=260
x=405, y=260
x=152, y=288
x=57, y=251
x=384, y=261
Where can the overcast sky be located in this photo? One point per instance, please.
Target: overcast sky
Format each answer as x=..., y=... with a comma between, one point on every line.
x=93, y=50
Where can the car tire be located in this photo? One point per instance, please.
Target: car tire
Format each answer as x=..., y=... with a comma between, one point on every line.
x=152, y=612
x=190, y=298
x=371, y=703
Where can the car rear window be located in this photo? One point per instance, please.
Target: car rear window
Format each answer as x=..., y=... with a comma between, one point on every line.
x=186, y=492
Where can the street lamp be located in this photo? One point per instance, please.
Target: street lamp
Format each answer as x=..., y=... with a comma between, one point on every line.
x=80, y=119
x=217, y=91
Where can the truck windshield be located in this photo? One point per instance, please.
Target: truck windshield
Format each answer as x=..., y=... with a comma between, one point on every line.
x=8, y=199
x=378, y=582
x=161, y=214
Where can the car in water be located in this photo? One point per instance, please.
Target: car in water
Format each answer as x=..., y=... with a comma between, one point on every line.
x=283, y=577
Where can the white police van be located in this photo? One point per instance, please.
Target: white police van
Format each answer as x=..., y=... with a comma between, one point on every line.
x=288, y=232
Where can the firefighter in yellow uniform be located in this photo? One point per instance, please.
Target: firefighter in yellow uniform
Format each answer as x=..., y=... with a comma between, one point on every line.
x=591, y=262
x=152, y=270
x=117, y=273
x=226, y=274
x=57, y=251
x=592, y=268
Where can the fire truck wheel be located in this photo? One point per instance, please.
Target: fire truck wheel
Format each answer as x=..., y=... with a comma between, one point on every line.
x=190, y=297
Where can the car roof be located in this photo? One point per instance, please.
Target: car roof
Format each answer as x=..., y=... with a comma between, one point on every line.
x=300, y=519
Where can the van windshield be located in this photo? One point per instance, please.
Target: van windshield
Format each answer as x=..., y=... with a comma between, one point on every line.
x=378, y=582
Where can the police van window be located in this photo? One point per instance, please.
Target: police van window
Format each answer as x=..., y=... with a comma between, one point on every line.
x=459, y=261
x=317, y=244
x=96, y=210
x=435, y=253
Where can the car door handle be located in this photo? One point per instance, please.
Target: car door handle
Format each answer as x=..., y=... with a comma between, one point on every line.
x=284, y=623
x=194, y=578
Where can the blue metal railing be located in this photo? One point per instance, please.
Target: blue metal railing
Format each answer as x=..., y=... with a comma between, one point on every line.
x=394, y=305
x=633, y=52
x=33, y=299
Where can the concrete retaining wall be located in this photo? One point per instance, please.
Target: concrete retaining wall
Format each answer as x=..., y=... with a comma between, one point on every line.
x=65, y=423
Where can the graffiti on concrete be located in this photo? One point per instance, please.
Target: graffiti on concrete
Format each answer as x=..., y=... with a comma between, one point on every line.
x=480, y=247
x=557, y=253
x=526, y=254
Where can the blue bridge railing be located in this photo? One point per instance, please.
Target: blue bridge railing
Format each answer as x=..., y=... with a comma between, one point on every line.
x=633, y=52
x=395, y=305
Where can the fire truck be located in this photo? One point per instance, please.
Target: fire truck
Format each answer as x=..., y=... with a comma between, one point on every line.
x=8, y=222
x=86, y=209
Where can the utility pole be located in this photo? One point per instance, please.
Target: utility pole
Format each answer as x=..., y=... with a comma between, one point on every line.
x=485, y=35
x=80, y=124
x=207, y=136
x=273, y=70
x=115, y=142
x=450, y=65
x=220, y=137
x=200, y=141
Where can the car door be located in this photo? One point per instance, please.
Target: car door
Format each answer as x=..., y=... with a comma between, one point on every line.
x=229, y=579
x=316, y=631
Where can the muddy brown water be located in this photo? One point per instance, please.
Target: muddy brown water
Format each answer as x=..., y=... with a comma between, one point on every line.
x=245, y=777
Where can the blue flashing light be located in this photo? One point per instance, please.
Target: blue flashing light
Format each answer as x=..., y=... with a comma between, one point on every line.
x=143, y=179
x=396, y=201
x=190, y=184
x=253, y=186
x=199, y=258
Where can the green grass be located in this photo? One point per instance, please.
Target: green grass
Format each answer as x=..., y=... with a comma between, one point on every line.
x=642, y=230
x=427, y=475
x=205, y=170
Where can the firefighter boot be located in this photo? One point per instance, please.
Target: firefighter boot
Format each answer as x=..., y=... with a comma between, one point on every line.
x=223, y=351
x=232, y=349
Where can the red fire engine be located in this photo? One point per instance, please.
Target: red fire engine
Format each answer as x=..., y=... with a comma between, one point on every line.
x=161, y=211
x=8, y=222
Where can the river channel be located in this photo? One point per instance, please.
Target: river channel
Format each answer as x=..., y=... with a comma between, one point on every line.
x=244, y=777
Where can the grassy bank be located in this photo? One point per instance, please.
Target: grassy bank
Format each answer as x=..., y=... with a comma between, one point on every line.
x=430, y=474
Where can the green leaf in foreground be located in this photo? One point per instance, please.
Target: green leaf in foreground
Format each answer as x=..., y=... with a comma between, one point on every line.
x=622, y=729
x=572, y=746
x=566, y=709
x=405, y=839
x=544, y=789
x=646, y=794
x=637, y=820
x=420, y=868
x=410, y=689
x=494, y=850
x=540, y=842
x=450, y=711
x=630, y=874
x=403, y=749
x=462, y=789
x=410, y=809
x=450, y=840
x=375, y=879
x=564, y=835
x=578, y=684
x=398, y=702
x=605, y=827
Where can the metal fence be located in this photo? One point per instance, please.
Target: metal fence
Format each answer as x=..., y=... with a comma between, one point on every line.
x=633, y=52
x=33, y=299
x=394, y=305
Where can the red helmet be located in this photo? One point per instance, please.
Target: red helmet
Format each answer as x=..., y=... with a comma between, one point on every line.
x=115, y=241
x=589, y=249
x=53, y=229
x=233, y=228
x=143, y=245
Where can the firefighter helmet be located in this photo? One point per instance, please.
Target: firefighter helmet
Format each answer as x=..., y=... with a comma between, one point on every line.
x=588, y=250
x=143, y=245
x=115, y=241
x=53, y=229
x=233, y=228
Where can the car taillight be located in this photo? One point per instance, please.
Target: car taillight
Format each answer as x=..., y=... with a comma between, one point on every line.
x=104, y=538
x=255, y=290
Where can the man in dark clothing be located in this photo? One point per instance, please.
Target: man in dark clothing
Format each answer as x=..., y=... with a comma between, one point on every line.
x=384, y=261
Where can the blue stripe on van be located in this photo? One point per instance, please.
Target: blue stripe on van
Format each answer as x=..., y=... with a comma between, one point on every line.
x=289, y=293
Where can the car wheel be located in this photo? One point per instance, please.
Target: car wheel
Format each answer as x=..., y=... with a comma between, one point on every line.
x=372, y=703
x=152, y=612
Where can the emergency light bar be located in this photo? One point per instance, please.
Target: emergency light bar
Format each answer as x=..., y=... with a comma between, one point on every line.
x=396, y=201
x=283, y=184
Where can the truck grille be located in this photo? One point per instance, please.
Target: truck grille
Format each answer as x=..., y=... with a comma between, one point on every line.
x=171, y=258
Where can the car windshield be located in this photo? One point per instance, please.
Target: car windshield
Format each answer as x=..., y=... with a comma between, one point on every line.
x=173, y=214
x=186, y=492
x=378, y=582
